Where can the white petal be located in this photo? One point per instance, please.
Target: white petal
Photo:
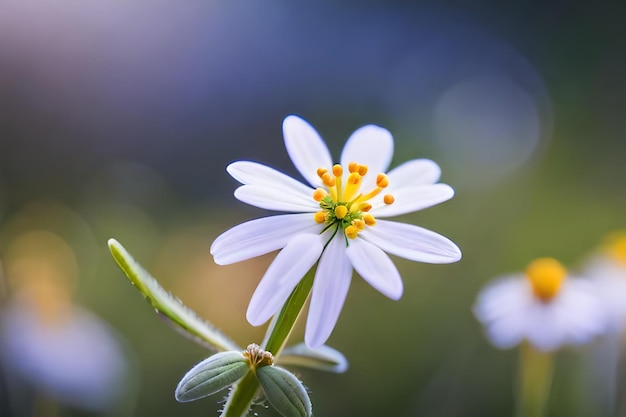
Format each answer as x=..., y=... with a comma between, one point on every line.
x=282, y=276
x=501, y=307
x=306, y=148
x=583, y=315
x=372, y=146
x=506, y=332
x=375, y=267
x=545, y=329
x=271, y=198
x=410, y=199
x=247, y=172
x=411, y=242
x=330, y=288
x=414, y=172
x=498, y=298
x=257, y=237
x=323, y=358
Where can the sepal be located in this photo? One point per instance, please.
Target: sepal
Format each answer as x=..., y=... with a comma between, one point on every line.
x=284, y=391
x=212, y=375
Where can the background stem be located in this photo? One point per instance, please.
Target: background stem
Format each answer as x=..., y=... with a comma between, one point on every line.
x=535, y=380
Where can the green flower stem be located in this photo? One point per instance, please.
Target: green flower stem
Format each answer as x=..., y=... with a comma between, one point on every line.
x=241, y=396
x=283, y=324
x=535, y=380
x=243, y=392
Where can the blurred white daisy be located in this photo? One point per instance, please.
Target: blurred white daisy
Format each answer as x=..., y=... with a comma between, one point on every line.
x=607, y=268
x=335, y=219
x=543, y=305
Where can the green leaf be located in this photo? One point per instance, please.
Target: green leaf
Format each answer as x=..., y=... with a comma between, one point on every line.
x=323, y=358
x=212, y=375
x=167, y=306
x=284, y=391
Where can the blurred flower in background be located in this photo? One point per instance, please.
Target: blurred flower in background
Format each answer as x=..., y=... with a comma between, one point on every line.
x=543, y=306
x=606, y=265
x=543, y=310
x=55, y=353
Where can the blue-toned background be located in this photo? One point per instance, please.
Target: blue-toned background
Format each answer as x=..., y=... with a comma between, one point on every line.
x=117, y=119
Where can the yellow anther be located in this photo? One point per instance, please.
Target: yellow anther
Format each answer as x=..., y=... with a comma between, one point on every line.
x=362, y=170
x=359, y=224
x=382, y=180
x=546, y=276
x=369, y=219
x=365, y=207
x=328, y=180
x=320, y=217
x=319, y=194
x=337, y=170
x=341, y=211
x=353, y=167
x=352, y=232
x=389, y=199
x=354, y=178
x=321, y=172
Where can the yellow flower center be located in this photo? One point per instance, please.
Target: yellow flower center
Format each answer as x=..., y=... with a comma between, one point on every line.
x=546, y=276
x=342, y=203
x=616, y=247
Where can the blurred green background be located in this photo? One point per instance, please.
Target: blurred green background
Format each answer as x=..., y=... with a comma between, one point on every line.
x=117, y=119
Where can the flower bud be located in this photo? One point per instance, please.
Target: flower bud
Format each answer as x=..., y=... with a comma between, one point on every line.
x=212, y=375
x=284, y=391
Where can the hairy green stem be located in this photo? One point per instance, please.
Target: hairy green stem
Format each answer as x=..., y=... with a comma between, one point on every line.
x=243, y=393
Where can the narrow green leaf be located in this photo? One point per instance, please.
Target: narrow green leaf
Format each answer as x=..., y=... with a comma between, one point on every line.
x=167, y=306
x=323, y=358
x=284, y=391
x=212, y=375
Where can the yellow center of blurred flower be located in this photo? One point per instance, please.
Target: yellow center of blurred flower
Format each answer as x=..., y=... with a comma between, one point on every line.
x=617, y=248
x=342, y=202
x=546, y=276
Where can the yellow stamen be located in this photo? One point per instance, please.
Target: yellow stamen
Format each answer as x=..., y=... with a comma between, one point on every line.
x=364, y=206
x=319, y=193
x=382, y=180
x=338, y=172
x=351, y=232
x=342, y=201
x=359, y=224
x=369, y=219
x=320, y=217
x=353, y=183
x=546, y=276
x=341, y=211
x=328, y=180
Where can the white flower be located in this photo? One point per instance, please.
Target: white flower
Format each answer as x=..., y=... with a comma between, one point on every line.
x=335, y=220
x=607, y=268
x=543, y=306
